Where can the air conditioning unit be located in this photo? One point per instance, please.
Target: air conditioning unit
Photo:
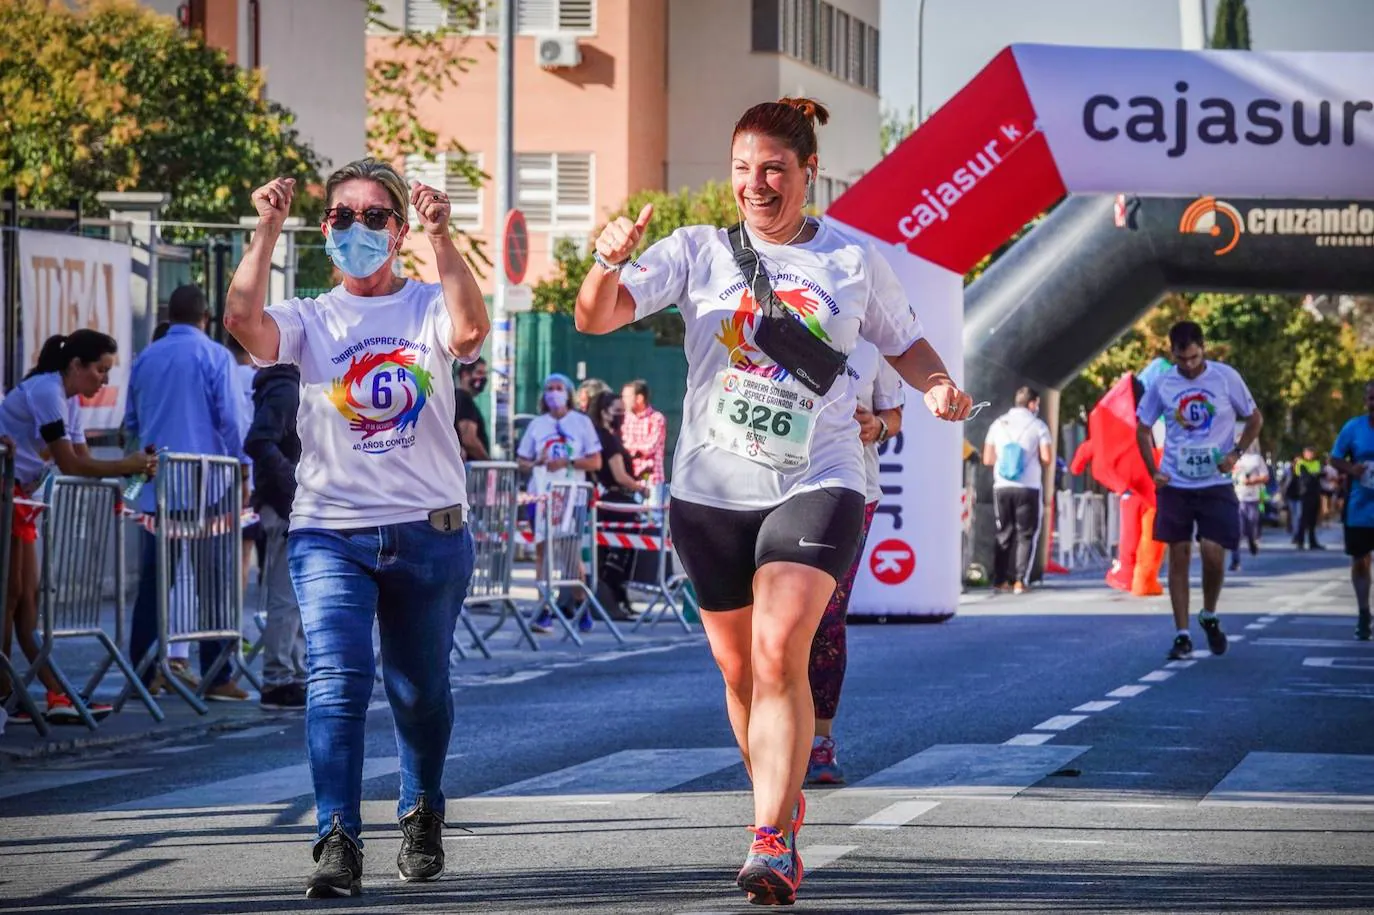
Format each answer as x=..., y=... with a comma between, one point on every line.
x=557, y=50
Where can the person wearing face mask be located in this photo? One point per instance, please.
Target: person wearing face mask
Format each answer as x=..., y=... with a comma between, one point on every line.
x=41, y=418
x=1018, y=449
x=768, y=478
x=616, y=485
x=467, y=418
x=560, y=445
x=378, y=526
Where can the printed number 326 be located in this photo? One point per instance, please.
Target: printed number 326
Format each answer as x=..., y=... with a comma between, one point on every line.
x=761, y=418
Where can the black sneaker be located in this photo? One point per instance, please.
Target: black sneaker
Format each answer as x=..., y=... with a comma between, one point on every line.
x=422, y=844
x=1254, y=547
x=1182, y=650
x=1216, y=639
x=1363, y=627
x=338, y=867
x=287, y=697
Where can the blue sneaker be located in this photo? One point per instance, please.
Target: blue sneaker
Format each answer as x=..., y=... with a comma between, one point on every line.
x=823, y=769
x=584, y=622
x=773, y=870
x=543, y=623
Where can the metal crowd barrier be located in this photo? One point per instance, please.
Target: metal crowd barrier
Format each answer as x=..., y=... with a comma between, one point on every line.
x=82, y=534
x=18, y=691
x=646, y=533
x=1087, y=526
x=199, y=511
x=566, y=520
x=493, y=506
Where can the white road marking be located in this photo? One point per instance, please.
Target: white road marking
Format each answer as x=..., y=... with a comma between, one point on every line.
x=1028, y=740
x=1315, y=643
x=1179, y=665
x=1340, y=663
x=1157, y=676
x=1256, y=626
x=814, y=856
x=1127, y=692
x=1060, y=723
x=170, y=750
x=273, y=786
x=628, y=775
x=1236, y=638
x=967, y=770
x=1297, y=780
x=17, y=783
x=897, y=815
x=1100, y=705
x=1267, y=619
x=520, y=676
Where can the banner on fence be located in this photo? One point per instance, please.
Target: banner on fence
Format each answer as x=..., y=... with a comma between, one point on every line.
x=65, y=283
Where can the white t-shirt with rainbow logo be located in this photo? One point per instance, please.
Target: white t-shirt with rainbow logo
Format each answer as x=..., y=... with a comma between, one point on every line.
x=378, y=445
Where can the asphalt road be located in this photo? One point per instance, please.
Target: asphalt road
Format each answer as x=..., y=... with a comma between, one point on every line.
x=1033, y=754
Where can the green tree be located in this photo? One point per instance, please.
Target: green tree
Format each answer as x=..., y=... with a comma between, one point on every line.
x=106, y=95
x=895, y=127
x=1232, y=28
x=712, y=204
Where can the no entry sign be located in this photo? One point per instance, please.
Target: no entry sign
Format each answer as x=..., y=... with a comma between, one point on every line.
x=516, y=245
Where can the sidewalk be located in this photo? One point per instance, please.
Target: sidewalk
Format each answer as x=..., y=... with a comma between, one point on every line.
x=511, y=656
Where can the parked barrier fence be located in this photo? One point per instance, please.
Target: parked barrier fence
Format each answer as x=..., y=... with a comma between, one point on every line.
x=19, y=695
x=83, y=534
x=493, y=507
x=199, y=516
x=643, y=528
x=566, y=520
x=1087, y=529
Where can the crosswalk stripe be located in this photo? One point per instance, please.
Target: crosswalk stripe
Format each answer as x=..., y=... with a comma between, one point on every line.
x=1297, y=780
x=896, y=815
x=814, y=856
x=624, y=776
x=1126, y=692
x=1315, y=643
x=1100, y=705
x=270, y=787
x=1060, y=723
x=968, y=770
x=33, y=782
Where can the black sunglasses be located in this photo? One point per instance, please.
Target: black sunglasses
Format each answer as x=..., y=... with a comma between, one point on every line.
x=375, y=218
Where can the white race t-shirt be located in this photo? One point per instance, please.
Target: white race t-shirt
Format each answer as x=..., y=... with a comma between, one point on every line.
x=1199, y=421
x=879, y=388
x=840, y=286
x=573, y=437
x=1250, y=465
x=35, y=402
x=378, y=445
x=1029, y=431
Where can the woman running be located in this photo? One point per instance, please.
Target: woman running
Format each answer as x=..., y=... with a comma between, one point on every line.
x=42, y=417
x=768, y=481
x=879, y=414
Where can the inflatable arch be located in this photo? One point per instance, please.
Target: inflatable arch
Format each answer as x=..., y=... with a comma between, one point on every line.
x=1212, y=129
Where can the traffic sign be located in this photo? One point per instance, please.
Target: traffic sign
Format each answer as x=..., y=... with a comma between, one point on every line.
x=516, y=247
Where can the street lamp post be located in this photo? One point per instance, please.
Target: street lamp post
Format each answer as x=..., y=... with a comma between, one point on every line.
x=920, y=59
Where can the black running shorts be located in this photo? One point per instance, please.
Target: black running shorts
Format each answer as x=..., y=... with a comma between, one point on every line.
x=1359, y=541
x=721, y=549
x=1213, y=513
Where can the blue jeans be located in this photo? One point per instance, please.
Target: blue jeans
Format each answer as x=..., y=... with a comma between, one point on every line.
x=412, y=579
x=143, y=631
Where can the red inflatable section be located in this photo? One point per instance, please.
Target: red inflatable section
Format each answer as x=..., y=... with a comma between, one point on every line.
x=1116, y=455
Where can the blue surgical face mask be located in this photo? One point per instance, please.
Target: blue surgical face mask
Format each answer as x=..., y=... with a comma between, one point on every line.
x=556, y=399
x=358, y=251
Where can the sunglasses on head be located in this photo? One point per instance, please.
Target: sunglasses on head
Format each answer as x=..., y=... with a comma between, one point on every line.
x=375, y=218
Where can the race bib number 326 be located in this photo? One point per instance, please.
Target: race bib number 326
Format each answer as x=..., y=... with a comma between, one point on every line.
x=767, y=421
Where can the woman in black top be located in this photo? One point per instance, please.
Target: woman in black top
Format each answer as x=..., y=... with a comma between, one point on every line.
x=607, y=412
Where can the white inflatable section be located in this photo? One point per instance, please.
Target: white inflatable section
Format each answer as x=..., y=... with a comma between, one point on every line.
x=911, y=562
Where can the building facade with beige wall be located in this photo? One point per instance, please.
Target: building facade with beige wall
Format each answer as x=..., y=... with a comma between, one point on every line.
x=644, y=97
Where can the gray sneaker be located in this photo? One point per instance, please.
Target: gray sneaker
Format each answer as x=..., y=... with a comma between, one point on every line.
x=422, y=844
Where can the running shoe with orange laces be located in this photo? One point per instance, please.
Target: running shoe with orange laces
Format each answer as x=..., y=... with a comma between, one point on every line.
x=773, y=870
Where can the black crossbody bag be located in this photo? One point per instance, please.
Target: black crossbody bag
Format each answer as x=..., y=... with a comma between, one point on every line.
x=783, y=339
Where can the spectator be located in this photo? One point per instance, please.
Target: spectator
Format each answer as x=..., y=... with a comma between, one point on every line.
x=1307, y=487
x=41, y=418
x=275, y=449
x=244, y=373
x=184, y=397
x=645, y=433
x=587, y=392
x=1018, y=450
x=467, y=418
x=616, y=486
x=560, y=445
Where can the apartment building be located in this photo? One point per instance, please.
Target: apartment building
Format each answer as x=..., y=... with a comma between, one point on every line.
x=616, y=96
x=310, y=53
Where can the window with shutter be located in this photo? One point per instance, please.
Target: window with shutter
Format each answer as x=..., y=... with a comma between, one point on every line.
x=425, y=15
x=574, y=204
x=825, y=38
x=841, y=44
x=873, y=69
x=577, y=16
x=555, y=189
x=445, y=172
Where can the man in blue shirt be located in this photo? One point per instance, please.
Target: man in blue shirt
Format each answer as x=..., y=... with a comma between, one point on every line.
x=183, y=397
x=1353, y=455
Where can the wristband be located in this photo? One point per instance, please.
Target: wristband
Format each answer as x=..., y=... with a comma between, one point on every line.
x=607, y=265
x=882, y=430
